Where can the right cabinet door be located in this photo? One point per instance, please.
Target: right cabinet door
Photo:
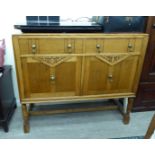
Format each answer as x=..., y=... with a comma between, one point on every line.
x=109, y=74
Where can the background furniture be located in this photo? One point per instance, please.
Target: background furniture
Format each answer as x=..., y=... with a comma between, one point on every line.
x=145, y=98
x=77, y=67
x=7, y=98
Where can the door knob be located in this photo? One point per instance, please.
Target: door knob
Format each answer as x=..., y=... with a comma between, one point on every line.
x=52, y=77
x=110, y=77
x=98, y=46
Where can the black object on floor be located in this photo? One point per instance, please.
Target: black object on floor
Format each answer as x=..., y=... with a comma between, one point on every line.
x=7, y=98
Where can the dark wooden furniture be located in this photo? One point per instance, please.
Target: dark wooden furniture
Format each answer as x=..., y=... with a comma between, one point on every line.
x=151, y=128
x=7, y=98
x=145, y=99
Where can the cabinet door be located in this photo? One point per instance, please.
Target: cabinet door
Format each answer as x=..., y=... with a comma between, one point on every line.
x=48, y=76
x=109, y=74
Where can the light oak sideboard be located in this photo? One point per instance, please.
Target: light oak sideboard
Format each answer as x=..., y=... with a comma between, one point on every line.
x=77, y=67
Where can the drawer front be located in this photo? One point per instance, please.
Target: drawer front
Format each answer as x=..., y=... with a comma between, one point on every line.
x=122, y=45
x=113, y=45
x=26, y=45
x=94, y=45
x=50, y=46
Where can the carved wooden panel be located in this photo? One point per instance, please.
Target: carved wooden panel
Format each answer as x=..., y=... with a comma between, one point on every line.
x=51, y=76
x=51, y=61
x=102, y=77
x=112, y=59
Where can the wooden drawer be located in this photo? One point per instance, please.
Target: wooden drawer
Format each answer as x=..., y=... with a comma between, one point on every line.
x=50, y=46
x=112, y=45
x=25, y=45
x=122, y=45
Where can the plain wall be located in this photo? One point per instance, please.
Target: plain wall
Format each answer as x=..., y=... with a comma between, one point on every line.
x=6, y=31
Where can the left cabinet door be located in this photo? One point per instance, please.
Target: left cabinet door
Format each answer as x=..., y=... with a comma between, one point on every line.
x=51, y=76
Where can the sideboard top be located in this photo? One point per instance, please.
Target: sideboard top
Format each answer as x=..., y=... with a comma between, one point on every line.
x=82, y=35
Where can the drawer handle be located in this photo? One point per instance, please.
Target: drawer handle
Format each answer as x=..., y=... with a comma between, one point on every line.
x=130, y=47
x=69, y=46
x=52, y=78
x=33, y=48
x=110, y=77
x=98, y=46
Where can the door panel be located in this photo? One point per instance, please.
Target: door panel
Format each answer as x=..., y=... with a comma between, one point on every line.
x=65, y=76
x=102, y=77
x=123, y=75
x=39, y=80
x=51, y=79
x=95, y=80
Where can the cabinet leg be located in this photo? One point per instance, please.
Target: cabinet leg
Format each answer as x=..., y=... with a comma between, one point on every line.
x=127, y=110
x=25, y=118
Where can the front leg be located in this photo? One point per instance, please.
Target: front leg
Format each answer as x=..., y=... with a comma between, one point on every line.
x=127, y=106
x=25, y=118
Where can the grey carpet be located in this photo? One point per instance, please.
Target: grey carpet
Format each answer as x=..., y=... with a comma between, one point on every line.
x=83, y=125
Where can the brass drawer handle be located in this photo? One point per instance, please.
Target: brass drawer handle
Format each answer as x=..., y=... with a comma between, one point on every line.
x=52, y=78
x=130, y=47
x=33, y=48
x=69, y=46
x=98, y=47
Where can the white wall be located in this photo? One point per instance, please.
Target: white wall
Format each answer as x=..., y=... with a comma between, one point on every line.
x=6, y=31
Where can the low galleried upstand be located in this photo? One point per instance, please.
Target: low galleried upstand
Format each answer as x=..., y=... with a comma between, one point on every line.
x=53, y=68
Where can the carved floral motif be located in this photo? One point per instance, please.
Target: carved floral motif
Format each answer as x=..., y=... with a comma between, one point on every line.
x=112, y=59
x=51, y=61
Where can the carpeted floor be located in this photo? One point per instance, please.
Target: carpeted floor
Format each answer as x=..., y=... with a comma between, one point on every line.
x=83, y=125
